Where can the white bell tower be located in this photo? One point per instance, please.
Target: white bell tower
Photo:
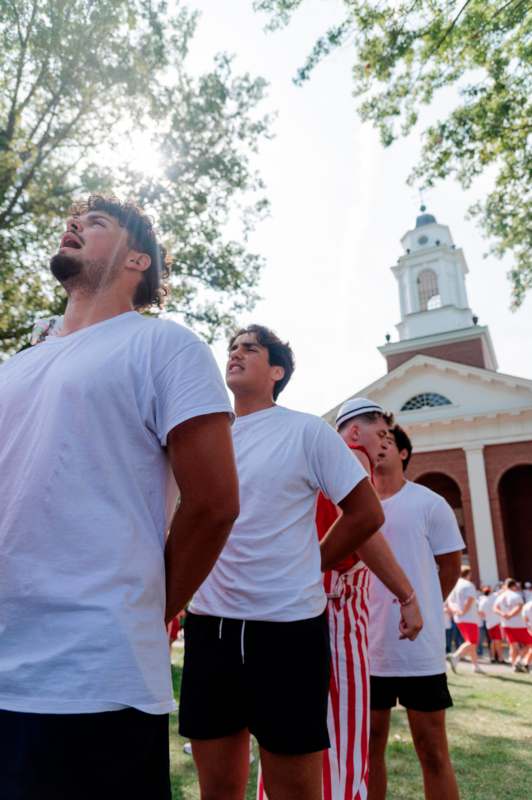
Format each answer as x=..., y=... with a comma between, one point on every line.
x=431, y=277
x=435, y=315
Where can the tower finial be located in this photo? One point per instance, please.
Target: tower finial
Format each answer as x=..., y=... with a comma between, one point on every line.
x=422, y=207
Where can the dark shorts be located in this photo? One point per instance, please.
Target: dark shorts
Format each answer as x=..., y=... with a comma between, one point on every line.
x=104, y=756
x=418, y=693
x=269, y=677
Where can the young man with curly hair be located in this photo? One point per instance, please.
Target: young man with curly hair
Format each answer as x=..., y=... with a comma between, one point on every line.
x=99, y=422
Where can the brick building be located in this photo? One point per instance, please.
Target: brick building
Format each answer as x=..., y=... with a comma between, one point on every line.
x=471, y=426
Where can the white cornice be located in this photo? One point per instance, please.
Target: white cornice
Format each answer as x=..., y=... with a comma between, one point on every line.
x=472, y=444
x=423, y=362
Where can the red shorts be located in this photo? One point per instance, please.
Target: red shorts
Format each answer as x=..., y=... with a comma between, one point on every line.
x=495, y=633
x=517, y=635
x=173, y=629
x=469, y=631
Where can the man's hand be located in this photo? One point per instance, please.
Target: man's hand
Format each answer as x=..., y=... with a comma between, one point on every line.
x=411, y=620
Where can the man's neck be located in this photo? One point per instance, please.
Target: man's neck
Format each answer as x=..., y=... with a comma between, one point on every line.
x=83, y=310
x=250, y=404
x=388, y=484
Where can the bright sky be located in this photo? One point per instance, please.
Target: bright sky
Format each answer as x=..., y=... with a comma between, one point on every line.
x=339, y=209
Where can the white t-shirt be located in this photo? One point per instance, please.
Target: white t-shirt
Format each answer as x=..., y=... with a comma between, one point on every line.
x=526, y=613
x=419, y=525
x=86, y=493
x=485, y=604
x=461, y=593
x=270, y=567
x=507, y=601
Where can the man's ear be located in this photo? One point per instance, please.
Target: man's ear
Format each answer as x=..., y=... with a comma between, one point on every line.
x=277, y=373
x=353, y=433
x=139, y=262
x=403, y=454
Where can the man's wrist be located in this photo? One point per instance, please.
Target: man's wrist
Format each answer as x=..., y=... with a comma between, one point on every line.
x=408, y=600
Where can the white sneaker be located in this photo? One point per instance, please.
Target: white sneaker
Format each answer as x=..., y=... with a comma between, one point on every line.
x=187, y=748
x=453, y=662
x=478, y=670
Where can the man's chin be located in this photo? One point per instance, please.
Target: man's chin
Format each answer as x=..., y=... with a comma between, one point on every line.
x=65, y=267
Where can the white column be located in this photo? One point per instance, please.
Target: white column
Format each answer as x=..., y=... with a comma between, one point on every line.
x=480, y=507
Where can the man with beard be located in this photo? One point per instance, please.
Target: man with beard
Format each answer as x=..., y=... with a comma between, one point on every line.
x=97, y=424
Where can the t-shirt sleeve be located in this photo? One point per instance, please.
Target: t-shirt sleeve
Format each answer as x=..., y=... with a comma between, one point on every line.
x=334, y=469
x=189, y=385
x=444, y=533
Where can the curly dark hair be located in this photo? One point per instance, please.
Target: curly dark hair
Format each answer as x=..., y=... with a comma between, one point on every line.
x=279, y=353
x=151, y=290
x=402, y=441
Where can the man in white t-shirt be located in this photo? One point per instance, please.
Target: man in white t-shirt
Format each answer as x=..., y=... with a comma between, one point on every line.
x=422, y=531
x=485, y=610
x=526, y=613
x=97, y=423
x=508, y=606
x=463, y=603
x=257, y=651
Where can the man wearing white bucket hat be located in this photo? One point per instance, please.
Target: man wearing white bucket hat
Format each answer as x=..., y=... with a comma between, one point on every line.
x=363, y=425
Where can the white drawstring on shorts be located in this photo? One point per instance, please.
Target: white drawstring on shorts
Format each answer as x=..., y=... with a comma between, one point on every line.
x=242, y=631
x=242, y=639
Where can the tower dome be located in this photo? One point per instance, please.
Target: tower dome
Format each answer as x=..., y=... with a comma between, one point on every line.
x=424, y=219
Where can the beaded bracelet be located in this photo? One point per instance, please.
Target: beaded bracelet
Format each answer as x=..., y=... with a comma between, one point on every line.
x=408, y=600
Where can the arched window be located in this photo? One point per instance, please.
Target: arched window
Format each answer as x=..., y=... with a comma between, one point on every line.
x=425, y=400
x=427, y=286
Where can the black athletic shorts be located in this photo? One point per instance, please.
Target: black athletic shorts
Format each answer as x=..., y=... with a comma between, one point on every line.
x=103, y=756
x=418, y=693
x=269, y=677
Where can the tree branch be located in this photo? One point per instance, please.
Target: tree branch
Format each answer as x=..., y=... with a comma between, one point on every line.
x=10, y=128
x=449, y=30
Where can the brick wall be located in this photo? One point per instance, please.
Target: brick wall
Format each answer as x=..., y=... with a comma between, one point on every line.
x=469, y=351
x=499, y=458
x=451, y=463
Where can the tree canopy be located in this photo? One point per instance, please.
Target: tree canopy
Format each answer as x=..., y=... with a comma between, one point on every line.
x=78, y=79
x=405, y=52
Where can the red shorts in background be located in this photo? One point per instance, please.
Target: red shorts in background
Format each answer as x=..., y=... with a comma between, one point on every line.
x=173, y=629
x=495, y=633
x=469, y=631
x=517, y=635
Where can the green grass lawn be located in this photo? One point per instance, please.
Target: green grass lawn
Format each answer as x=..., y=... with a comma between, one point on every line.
x=490, y=735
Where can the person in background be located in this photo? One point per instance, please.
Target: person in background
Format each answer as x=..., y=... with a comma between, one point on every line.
x=448, y=619
x=421, y=529
x=492, y=623
x=527, y=616
x=527, y=591
x=508, y=606
x=463, y=603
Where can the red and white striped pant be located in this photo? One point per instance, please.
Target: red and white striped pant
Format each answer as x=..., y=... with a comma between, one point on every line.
x=346, y=763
